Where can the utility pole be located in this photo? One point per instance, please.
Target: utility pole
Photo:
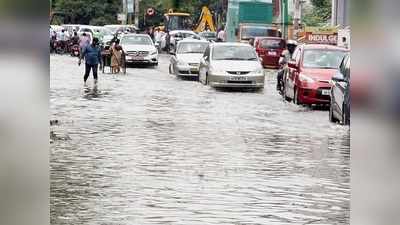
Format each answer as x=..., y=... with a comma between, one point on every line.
x=296, y=18
x=284, y=18
x=137, y=9
x=124, y=11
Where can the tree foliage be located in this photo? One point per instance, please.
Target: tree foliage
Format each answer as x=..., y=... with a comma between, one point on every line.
x=100, y=12
x=94, y=12
x=318, y=14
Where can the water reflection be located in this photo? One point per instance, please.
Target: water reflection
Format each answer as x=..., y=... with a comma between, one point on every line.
x=151, y=149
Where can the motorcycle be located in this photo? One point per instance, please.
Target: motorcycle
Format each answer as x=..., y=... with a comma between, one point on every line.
x=59, y=47
x=281, y=73
x=75, y=51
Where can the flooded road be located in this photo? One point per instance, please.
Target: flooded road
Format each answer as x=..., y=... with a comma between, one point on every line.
x=149, y=148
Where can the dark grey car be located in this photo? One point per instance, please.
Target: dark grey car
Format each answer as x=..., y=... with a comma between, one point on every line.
x=339, y=110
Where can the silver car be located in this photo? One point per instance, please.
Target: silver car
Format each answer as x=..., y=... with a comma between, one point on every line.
x=231, y=65
x=139, y=49
x=186, y=61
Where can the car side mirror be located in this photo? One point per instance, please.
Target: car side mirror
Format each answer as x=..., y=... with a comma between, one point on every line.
x=292, y=64
x=338, y=77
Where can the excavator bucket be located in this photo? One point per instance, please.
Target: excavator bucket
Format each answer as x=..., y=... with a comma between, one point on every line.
x=206, y=19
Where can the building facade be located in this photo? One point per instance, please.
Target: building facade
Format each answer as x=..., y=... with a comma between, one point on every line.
x=340, y=13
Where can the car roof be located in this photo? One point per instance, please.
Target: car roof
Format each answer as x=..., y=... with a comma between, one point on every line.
x=182, y=31
x=230, y=44
x=323, y=46
x=136, y=35
x=271, y=38
x=191, y=40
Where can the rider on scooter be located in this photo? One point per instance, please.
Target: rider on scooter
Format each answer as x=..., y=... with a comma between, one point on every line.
x=285, y=57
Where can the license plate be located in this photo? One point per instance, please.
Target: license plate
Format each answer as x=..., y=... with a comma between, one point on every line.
x=238, y=78
x=138, y=58
x=272, y=53
x=326, y=92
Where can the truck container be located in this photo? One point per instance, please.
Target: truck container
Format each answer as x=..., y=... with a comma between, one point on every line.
x=249, y=18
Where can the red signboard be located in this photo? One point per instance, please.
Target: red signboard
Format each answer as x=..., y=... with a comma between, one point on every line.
x=322, y=38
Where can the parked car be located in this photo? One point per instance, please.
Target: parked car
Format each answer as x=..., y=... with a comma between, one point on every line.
x=118, y=28
x=70, y=28
x=209, y=36
x=310, y=72
x=139, y=49
x=270, y=49
x=87, y=29
x=176, y=36
x=231, y=65
x=186, y=61
x=339, y=110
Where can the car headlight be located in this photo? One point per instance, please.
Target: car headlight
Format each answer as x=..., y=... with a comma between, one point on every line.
x=258, y=72
x=307, y=79
x=182, y=63
x=154, y=52
x=217, y=71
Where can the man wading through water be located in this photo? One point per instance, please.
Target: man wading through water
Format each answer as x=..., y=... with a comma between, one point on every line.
x=92, y=55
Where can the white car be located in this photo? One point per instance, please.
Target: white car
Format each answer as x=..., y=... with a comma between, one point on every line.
x=139, y=49
x=231, y=65
x=186, y=61
x=176, y=36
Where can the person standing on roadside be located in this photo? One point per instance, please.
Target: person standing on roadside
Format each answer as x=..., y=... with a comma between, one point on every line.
x=92, y=55
x=157, y=37
x=84, y=41
x=221, y=35
x=116, y=57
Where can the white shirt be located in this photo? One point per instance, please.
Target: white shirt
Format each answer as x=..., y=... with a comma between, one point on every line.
x=157, y=36
x=221, y=35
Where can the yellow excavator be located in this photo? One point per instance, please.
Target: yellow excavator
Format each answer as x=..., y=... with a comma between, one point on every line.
x=206, y=19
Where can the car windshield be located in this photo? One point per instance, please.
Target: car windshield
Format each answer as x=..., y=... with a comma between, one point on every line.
x=105, y=31
x=252, y=31
x=272, y=44
x=185, y=35
x=324, y=59
x=136, y=40
x=185, y=48
x=234, y=52
x=112, y=29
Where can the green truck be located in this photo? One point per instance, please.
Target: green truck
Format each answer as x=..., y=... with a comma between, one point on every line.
x=249, y=18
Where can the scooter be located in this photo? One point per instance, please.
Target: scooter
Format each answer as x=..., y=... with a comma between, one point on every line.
x=58, y=46
x=281, y=73
x=75, y=51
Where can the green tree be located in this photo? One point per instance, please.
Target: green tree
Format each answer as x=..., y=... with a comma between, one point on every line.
x=318, y=14
x=94, y=12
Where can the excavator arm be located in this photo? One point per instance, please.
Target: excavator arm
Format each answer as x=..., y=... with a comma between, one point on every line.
x=205, y=19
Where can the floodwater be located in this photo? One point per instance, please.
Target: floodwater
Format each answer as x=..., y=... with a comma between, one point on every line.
x=148, y=148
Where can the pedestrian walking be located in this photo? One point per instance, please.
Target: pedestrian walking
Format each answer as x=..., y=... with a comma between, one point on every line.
x=92, y=55
x=116, y=57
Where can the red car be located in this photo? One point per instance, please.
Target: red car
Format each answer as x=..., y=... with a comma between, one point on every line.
x=310, y=72
x=269, y=49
